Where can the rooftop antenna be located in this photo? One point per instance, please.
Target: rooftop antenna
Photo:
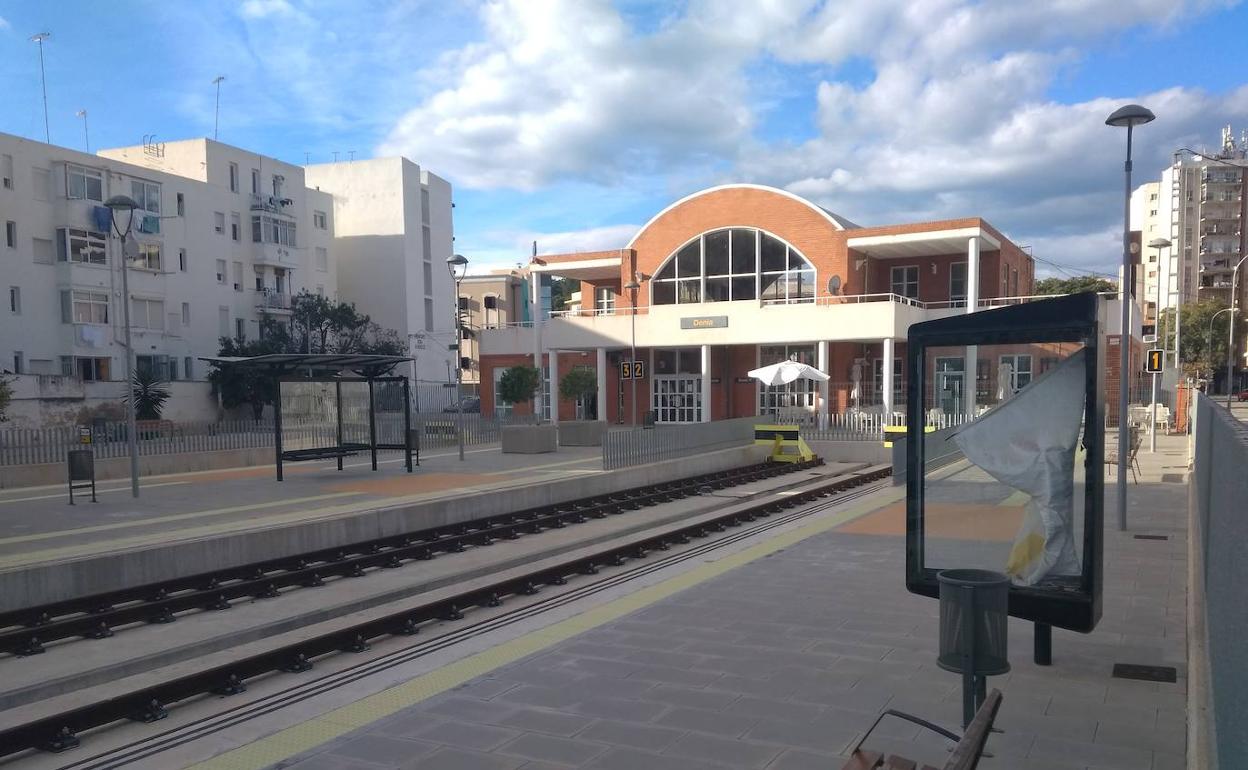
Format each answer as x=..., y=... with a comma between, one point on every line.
x=86, y=138
x=38, y=38
x=335, y=156
x=307, y=158
x=216, y=112
x=351, y=153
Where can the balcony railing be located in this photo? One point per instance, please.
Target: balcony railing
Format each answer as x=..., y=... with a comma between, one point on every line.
x=268, y=299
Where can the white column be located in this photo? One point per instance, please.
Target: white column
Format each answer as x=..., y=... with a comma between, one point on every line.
x=971, y=362
x=822, y=352
x=886, y=384
x=706, y=383
x=553, y=362
x=972, y=275
x=535, y=280
x=602, y=384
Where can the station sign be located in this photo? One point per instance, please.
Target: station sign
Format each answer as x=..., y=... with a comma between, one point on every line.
x=705, y=322
x=1154, y=361
x=632, y=370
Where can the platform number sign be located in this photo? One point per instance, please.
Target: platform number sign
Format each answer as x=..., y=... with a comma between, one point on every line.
x=632, y=370
x=1154, y=360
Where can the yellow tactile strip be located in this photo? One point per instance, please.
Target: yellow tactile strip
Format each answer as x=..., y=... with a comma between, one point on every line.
x=295, y=740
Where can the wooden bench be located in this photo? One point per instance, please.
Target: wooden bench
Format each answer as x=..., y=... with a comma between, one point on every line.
x=966, y=753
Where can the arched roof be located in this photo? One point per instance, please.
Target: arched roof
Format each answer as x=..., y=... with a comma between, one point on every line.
x=837, y=221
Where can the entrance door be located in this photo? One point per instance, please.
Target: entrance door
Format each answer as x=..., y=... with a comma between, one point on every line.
x=677, y=397
x=950, y=381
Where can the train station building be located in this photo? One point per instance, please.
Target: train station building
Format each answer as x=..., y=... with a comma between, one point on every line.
x=740, y=276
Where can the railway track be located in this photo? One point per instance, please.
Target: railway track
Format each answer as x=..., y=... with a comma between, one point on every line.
x=24, y=632
x=148, y=704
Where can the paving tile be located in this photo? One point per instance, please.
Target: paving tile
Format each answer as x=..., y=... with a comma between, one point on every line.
x=330, y=762
x=465, y=735
x=382, y=749
x=633, y=759
x=649, y=737
x=471, y=709
x=818, y=736
x=686, y=696
x=727, y=751
x=458, y=759
x=548, y=748
x=1170, y=738
x=544, y=721
x=1099, y=755
x=767, y=708
x=800, y=759
x=706, y=721
x=618, y=708
x=535, y=695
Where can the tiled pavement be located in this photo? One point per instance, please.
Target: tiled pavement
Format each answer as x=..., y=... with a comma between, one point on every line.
x=781, y=664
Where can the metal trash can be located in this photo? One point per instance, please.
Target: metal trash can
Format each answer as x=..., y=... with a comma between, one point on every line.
x=974, y=630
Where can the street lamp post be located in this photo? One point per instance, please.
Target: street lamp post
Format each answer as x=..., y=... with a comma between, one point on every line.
x=633, y=286
x=1159, y=244
x=125, y=204
x=1230, y=351
x=1127, y=117
x=458, y=265
x=1209, y=337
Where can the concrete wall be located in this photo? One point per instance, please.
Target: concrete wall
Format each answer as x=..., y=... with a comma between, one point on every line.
x=1218, y=655
x=46, y=401
x=42, y=474
x=52, y=582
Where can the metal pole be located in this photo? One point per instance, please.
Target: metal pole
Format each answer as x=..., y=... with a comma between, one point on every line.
x=459, y=375
x=131, y=420
x=1042, y=634
x=632, y=363
x=43, y=85
x=372, y=424
x=86, y=136
x=216, y=111
x=407, y=424
x=1230, y=351
x=1152, y=433
x=1124, y=340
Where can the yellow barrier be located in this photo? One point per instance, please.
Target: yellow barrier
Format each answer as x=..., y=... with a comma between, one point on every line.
x=781, y=438
x=888, y=440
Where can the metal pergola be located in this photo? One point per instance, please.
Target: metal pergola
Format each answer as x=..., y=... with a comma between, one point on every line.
x=329, y=368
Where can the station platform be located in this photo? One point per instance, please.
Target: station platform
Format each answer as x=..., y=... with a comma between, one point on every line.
x=774, y=652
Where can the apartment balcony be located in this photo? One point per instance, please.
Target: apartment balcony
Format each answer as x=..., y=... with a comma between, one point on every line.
x=1221, y=176
x=272, y=204
x=275, y=255
x=1217, y=248
x=1220, y=228
x=273, y=301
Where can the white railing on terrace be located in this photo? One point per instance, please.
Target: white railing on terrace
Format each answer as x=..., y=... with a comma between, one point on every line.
x=586, y=312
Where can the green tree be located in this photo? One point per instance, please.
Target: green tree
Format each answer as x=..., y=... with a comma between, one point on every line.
x=244, y=386
x=1203, y=343
x=149, y=394
x=578, y=383
x=561, y=292
x=518, y=384
x=1077, y=285
x=6, y=397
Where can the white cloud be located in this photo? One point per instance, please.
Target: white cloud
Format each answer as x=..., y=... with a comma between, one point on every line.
x=506, y=249
x=4, y=23
x=953, y=117
x=261, y=9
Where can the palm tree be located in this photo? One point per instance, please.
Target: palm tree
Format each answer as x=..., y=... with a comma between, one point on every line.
x=149, y=395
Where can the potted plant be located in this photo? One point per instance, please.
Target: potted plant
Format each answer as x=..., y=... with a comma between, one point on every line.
x=149, y=394
x=517, y=385
x=575, y=386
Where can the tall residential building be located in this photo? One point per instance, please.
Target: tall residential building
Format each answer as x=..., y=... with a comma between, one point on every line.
x=1145, y=218
x=222, y=238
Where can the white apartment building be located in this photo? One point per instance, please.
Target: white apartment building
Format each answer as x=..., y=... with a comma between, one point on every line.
x=223, y=238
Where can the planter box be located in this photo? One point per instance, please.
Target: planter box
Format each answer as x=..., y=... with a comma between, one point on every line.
x=529, y=439
x=581, y=433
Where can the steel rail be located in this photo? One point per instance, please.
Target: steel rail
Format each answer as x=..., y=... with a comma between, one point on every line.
x=148, y=704
x=95, y=616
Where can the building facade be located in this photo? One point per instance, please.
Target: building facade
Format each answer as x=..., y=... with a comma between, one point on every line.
x=494, y=300
x=740, y=276
x=223, y=238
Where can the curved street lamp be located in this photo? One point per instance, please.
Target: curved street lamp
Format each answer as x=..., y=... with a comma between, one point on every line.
x=1230, y=350
x=1127, y=117
x=126, y=205
x=458, y=265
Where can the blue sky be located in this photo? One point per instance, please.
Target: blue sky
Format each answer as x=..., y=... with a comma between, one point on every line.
x=573, y=121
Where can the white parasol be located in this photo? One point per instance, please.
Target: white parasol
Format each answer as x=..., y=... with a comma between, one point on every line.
x=785, y=372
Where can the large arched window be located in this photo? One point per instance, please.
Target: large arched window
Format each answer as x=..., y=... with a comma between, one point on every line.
x=734, y=264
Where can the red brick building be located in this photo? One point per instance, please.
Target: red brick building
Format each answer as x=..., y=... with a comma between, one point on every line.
x=738, y=276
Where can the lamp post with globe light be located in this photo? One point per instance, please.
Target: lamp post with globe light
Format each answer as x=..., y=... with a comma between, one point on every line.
x=125, y=206
x=1127, y=117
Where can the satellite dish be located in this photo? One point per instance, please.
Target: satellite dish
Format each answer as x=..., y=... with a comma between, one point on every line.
x=834, y=285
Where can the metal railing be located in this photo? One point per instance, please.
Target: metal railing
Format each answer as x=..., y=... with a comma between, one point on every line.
x=624, y=448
